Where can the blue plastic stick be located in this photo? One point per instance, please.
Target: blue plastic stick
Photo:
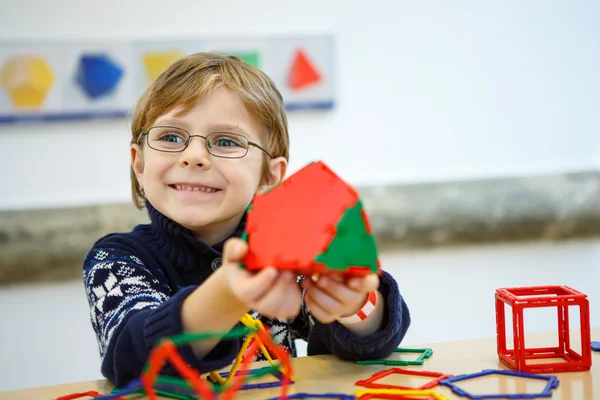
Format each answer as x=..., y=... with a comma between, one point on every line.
x=339, y=396
x=547, y=392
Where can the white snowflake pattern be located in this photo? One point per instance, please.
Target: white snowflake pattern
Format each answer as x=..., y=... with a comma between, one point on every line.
x=113, y=291
x=101, y=255
x=125, y=270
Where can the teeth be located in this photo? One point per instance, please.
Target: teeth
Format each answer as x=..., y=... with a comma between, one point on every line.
x=195, y=189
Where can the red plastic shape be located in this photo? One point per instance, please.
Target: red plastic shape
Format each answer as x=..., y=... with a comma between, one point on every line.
x=561, y=297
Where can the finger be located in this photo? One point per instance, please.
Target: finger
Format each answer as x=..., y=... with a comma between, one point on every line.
x=252, y=287
x=282, y=299
x=337, y=289
x=234, y=250
x=318, y=312
x=364, y=284
x=325, y=301
x=336, y=276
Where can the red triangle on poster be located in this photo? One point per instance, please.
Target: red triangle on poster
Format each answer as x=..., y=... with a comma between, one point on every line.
x=303, y=72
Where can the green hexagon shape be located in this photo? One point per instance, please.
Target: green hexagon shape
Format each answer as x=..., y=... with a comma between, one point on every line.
x=26, y=80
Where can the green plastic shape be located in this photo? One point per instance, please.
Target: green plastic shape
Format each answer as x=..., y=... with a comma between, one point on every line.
x=424, y=353
x=352, y=245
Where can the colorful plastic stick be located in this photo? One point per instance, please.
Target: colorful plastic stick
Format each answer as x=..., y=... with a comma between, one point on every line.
x=338, y=396
x=370, y=382
x=79, y=395
x=547, y=392
x=424, y=353
x=360, y=395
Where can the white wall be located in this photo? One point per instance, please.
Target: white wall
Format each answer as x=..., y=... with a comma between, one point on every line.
x=428, y=90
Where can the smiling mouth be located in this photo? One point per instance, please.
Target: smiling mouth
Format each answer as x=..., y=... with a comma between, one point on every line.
x=194, y=188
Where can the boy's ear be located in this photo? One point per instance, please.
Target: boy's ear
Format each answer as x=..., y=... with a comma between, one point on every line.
x=277, y=170
x=137, y=162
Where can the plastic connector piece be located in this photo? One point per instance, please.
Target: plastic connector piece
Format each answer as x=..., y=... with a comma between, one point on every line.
x=596, y=346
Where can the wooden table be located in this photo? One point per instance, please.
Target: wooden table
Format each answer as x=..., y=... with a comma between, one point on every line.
x=321, y=374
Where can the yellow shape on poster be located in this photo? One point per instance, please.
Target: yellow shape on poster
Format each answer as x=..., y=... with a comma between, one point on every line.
x=157, y=61
x=26, y=80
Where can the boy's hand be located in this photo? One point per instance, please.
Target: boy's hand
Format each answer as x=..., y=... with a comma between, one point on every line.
x=272, y=293
x=330, y=297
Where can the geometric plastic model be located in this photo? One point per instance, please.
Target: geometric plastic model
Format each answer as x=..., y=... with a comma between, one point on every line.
x=26, y=80
x=190, y=384
x=370, y=382
x=224, y=378
x=561, y=297
x=424, y=354
x=596, y=346
x=302, y=72
x=547, y=392
x=98, y=75
x=312, y=222
x=157, y=61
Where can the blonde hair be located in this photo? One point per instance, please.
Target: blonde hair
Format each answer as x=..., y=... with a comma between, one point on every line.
x=185, y=82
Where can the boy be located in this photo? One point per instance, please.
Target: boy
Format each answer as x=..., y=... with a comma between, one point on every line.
x=208, y=135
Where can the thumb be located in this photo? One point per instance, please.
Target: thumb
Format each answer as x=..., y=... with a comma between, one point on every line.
x=234, y=250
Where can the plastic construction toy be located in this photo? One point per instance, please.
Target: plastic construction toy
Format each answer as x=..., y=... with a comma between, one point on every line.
x=596, y=346
x=312, y=222
x=561, y=297
x=547, y=392
x=399, y=394
x=224, y=378
x=424, y=354
x=191, y=384
x=370, y=382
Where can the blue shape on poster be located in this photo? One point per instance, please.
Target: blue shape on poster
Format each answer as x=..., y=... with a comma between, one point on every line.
x=98, y=75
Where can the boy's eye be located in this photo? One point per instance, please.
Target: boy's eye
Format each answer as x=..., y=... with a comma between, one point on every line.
x=227, y=141
x=171, y=137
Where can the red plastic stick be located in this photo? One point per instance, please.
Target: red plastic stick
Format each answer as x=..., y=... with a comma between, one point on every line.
x=370, y=382
x=79, y=395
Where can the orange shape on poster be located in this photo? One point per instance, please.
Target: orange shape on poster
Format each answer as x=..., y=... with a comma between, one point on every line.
x=302, y=73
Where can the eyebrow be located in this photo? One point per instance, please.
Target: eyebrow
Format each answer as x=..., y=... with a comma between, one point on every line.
x=213, y=128
x=172, y=122
x=229, y=128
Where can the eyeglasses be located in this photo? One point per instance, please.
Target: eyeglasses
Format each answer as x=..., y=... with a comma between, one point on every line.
x=171, y=139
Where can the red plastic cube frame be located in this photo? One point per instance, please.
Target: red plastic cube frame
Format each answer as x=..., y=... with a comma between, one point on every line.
x=561, y=297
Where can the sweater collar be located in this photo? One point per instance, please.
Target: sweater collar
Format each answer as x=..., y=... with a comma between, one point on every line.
x=182, y=241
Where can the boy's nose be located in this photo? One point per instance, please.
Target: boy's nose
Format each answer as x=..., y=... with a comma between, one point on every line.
x=195, y=153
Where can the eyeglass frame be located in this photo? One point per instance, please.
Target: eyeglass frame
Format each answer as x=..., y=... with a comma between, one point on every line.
x=189, y=139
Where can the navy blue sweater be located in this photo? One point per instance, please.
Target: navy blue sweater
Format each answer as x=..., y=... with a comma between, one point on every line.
x=137, y=281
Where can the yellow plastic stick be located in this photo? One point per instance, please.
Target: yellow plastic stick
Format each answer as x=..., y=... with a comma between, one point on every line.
x=402, y=392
